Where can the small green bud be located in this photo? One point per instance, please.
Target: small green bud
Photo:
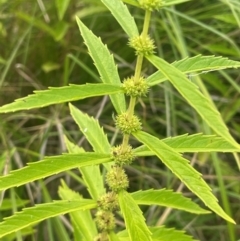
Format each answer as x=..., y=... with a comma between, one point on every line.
x=117, y=179
x=105, y=220
x=151, y=5
x=143, y=45
x=128, y=124
x=123, y=155
x=135, y=88
x=108, y=202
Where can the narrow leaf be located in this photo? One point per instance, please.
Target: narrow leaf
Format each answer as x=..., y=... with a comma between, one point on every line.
x=194, y=97
x=82, y=220
x=50, y=166
x=91, y=130
x=105, y=64
x=161, y=234
x=185, y=172
x=91, y=174
x=62, y=6
x=56, y=95
x=167, y=198
x=134, y=220
x=199, y=63
x=122, y=15
x=192, y=143
x=165, y=3
x=30, y=216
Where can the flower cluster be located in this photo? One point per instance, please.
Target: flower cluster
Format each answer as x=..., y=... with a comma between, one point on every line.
x=105, y=220
x=135, y=88
x=108, y=202
x=142, y=45
x=117, y=179
x=151, y=5
x=128, y=124
x=123, y=156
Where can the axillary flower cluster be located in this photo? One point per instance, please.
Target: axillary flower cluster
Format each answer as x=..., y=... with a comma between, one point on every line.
x=128, y=123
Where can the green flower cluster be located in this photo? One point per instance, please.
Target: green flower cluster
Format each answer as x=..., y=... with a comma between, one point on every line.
x=123, y=156
x=142, y=45
x=135, y=88
x=128, y=124
x=117, y=179
x=151, y=5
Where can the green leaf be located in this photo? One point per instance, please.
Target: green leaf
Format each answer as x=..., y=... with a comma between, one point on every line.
x=50, y=166
x=56, y=95
x=7, y=204
x=91, y=130
x=91, y=174
x=122, y=15
x=194, y=97
x=134, y=220
x=185, y=172
x=167, y=198
x=199, y=63
x=30, y=216
x=105, y=64
x=82, y=220
x=165, y=3
x=192, y=143
x=166, y=234
x=61, y=6
x=161, y=234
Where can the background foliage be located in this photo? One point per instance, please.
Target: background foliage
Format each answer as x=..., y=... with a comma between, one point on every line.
x=41, y=46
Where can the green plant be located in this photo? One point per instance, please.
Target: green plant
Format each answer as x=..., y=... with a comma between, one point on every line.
x=115, y=158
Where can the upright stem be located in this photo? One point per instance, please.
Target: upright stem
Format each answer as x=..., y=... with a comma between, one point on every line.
x=137, y=74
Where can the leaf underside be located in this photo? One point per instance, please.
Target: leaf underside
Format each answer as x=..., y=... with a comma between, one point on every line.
x=57, y=95
x=33, y=215
x=50, y=166
x=183, y=170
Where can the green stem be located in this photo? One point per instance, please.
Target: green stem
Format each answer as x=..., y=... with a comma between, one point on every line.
x=137, y=74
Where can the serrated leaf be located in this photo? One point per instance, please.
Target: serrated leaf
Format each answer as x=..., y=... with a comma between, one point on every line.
x=104, y=63
x=192, y=143
x=166, y=234
x=123, y=16
x=194, y=97
x=133, y=217
x=91, y=174
x=199, y=63
x=57, y=95
x=91, y=129
x=30, y=216
x=81, y=220
x=167, y=198
x=185, y=172
x=161, y=234
x=50, y=166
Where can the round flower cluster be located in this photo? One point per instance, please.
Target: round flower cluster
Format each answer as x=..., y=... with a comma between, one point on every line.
x=108, y=202
x=151, y=5
x=128, y=124
x=142, y=45
x=105, y=220
x=117, y=179
x=123, y=156
x=135, y=88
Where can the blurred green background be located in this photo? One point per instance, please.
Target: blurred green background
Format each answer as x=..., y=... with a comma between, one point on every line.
x=40, y=46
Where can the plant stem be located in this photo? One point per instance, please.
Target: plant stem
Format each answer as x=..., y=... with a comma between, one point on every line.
x=137, y=74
